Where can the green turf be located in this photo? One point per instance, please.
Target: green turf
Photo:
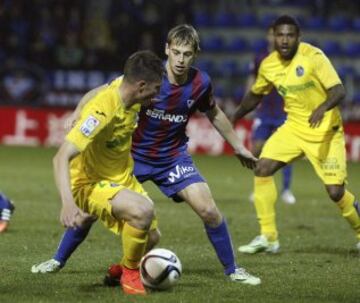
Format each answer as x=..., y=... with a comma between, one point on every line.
x=317, y=263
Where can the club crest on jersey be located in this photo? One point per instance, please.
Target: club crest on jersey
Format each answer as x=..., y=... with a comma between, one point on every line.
x=299, y=71
x=190, y=102
x=89, y=125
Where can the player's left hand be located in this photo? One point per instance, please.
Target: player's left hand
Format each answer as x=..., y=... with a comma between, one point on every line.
x=317, y=116
x=246, y=158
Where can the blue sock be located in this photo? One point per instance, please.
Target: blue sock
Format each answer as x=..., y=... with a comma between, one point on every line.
x=220, y=239
x=6, y=208
x=5, y=202
x=357, y=206
x=71, y=239
x=287, y=173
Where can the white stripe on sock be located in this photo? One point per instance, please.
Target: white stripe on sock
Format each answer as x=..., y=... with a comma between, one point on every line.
x=5, y=214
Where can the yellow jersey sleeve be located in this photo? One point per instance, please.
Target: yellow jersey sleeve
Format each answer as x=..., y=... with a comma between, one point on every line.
x=96, y=114
x=262, y=85
x=324, y=71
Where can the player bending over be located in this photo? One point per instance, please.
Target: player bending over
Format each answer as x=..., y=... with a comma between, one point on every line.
x=93, y=167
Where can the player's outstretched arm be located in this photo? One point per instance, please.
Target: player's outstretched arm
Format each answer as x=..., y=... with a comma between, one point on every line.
x=61, y=162
x=248, y=103
x=70, y=121
x=334, y=96
x=218, y=118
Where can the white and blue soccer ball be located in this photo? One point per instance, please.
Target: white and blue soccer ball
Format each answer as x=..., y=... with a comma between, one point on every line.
x=160, y=269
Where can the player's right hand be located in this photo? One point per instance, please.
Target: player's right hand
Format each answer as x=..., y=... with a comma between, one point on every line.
x=317, y=116
x=246, y=158
x=68, y=215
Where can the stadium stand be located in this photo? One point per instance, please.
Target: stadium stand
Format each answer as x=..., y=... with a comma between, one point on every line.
x=78, y=44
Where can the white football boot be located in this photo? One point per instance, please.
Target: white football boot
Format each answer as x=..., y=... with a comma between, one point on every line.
x=242, y=276
x=288, y=197
x=49, y=266
x=260, y=244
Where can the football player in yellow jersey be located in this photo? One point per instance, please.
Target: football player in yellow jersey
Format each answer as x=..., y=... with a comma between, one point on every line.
x=312, y=91
x=94, y=170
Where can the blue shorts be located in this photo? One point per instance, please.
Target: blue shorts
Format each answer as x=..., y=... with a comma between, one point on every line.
x=262, y=129
x=170, y=178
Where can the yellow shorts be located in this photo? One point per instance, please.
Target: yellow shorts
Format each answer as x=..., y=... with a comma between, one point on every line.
x=95, y=199
x=328, y=157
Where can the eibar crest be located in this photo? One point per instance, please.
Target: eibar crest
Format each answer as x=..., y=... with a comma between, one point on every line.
x=190, y=102
x=299, y=71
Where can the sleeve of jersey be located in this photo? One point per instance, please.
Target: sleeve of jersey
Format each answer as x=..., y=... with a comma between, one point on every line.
x=206, y=101
x=325, y=72
x=261, y=86
x=93, y=118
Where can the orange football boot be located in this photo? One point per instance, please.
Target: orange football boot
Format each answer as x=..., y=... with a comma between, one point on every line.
x=131, y=282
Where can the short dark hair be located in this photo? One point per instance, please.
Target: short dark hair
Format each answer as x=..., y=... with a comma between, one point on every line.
x=286, y=19
x=143, y=65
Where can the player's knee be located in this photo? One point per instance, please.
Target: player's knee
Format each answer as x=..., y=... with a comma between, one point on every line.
x=262, y=169
x=210, y=215
x=85, y=220
x=335, y=192
x=143, y=214
x=139, y=212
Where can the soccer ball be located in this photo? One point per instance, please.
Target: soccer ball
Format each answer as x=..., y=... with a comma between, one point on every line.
x=160, y=269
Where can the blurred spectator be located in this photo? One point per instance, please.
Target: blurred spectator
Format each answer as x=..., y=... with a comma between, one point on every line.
x=152, y=24
x=98, y=43
x=70, y=54
x=124, y=34
x=21, y=83
x=147, y=41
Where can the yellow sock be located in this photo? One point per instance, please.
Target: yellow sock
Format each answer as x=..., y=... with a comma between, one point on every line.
x=134, y=242
x=265, y=195
x=349, y=212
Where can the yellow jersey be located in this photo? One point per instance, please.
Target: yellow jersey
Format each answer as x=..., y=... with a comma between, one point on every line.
x=302, y=82
x=103, y=134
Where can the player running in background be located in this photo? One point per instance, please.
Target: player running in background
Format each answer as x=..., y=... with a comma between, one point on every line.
x=6, y=210
x=312, y=91
x=160, y=150
x=269, y=115
x=93, y=167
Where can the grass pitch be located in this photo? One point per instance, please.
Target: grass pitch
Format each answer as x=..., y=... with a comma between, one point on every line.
x=317, y=264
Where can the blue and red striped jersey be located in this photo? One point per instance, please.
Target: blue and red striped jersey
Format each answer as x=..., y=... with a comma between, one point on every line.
x=161, y=133
x=272, y=105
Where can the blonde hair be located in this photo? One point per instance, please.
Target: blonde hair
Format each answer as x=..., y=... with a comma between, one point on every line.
x=184, y=34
